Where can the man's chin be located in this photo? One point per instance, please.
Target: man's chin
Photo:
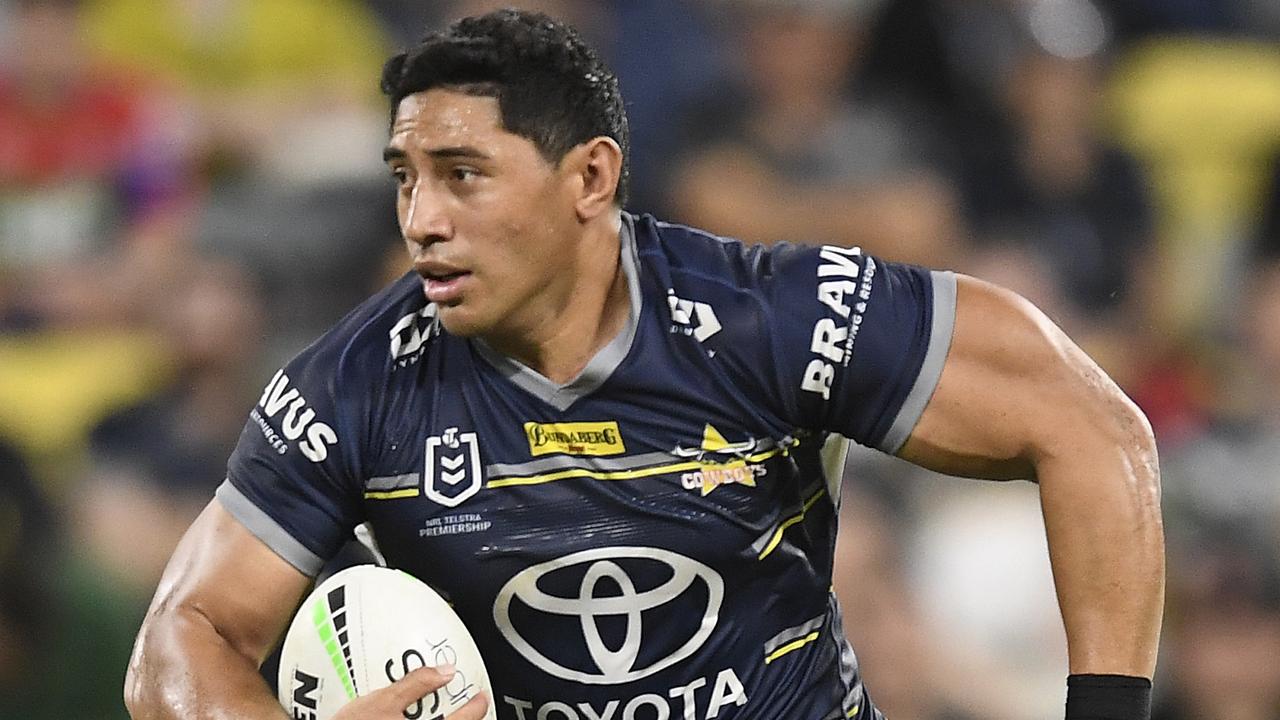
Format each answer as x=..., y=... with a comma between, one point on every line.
x=461, y=322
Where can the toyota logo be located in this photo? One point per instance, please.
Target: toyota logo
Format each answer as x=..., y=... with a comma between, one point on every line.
x=629, y=603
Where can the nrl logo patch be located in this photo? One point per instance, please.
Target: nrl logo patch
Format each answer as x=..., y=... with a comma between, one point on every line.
x=453, y=472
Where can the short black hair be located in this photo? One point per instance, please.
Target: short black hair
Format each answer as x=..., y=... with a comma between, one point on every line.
x=551, y=87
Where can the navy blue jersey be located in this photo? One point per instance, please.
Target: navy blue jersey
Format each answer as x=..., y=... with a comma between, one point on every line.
x=652, y=540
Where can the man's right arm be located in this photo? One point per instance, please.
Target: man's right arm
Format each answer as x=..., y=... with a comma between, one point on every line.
x=222, y=604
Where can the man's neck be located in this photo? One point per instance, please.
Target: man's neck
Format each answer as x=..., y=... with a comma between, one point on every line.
x=578, y=319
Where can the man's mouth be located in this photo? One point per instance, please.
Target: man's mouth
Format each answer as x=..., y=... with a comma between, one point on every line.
x=444, y=287
x=443, y=276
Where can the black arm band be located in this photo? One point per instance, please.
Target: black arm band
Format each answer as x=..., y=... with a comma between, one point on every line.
x=1108, y=697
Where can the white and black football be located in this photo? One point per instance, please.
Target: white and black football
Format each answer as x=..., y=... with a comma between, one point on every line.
x=364, y=628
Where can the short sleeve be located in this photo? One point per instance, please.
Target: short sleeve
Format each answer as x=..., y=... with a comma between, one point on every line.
x=292, y=479
x=858, y=343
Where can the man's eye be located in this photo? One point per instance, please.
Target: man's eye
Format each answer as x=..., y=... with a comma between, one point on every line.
x=401, y=175
x=463, y=174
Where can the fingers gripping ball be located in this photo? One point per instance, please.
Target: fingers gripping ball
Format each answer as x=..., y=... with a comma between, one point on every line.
x=363, y=629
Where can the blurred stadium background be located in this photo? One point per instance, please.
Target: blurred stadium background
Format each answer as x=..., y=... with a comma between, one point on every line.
x=190, y=190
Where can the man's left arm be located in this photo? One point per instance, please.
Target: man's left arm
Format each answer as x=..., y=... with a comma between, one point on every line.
x=1018, y=399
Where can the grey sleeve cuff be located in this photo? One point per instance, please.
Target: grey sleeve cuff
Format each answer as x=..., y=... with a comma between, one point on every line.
x=267, y=530
x=944, y=322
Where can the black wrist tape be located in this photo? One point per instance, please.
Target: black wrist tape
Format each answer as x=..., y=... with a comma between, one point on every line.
x=1108, y=697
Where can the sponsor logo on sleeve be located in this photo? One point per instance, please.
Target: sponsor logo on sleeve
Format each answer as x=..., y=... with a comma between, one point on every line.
x=576, y=438
x=843, y=293
x=298, y=422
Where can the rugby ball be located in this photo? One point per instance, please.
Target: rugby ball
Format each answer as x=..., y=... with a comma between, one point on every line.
x=364, y=628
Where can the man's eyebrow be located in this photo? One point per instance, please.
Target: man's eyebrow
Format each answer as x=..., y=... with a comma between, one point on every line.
x=390, y=153
x=458, y=151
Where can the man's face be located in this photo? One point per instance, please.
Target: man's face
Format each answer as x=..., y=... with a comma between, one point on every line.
x=488, y=222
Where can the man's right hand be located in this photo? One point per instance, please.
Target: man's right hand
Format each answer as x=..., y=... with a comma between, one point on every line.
x=391, y=702
x=205, y=636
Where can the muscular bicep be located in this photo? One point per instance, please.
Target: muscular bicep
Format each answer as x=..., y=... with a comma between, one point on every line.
x=221, y=573
x=1012, y=387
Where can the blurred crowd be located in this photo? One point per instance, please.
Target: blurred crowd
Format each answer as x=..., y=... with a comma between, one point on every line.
x=191, y=190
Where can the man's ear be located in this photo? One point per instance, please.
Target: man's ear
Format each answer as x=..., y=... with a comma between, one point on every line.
x=596, y=166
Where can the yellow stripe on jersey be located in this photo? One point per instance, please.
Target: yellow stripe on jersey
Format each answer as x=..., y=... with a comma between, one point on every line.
x=777, y=534
x=621, y=474
x=391, y=494
x=793, y=645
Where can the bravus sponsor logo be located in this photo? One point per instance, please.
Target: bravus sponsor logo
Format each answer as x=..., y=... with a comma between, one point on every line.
x=297, y=424
x=844, y=286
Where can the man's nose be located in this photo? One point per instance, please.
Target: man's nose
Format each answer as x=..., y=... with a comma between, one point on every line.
x=425, y=220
